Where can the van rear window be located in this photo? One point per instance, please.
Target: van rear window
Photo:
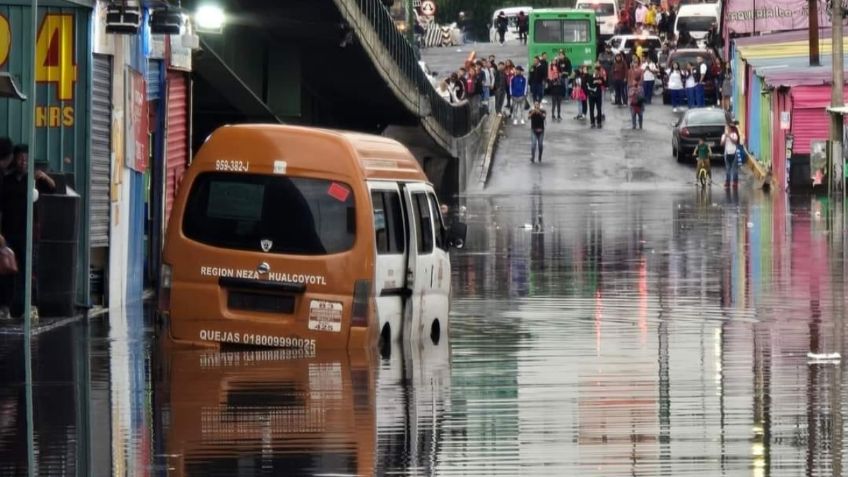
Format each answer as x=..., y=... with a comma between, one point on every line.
x=275, y=214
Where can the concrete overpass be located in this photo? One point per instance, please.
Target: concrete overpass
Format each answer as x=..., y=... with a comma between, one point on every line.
x=330, y=63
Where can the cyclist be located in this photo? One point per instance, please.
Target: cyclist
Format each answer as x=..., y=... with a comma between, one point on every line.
x=703, y=152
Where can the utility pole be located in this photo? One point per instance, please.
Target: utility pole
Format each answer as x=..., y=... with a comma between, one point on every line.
x=836, y=99
x=814, y=32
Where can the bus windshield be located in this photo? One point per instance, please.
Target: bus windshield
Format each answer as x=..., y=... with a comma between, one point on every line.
x=561, y=31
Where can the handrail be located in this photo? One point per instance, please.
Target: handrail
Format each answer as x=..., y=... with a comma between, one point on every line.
x=456, y=120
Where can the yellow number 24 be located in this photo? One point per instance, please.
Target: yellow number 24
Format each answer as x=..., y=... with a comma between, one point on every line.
x=54, y=54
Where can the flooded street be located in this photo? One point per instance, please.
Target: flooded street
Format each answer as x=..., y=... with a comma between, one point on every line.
x=603, y=333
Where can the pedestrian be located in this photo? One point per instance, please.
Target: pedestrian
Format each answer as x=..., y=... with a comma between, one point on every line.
x=641, y=14
x=623, y=25
x=689, y=85
x=444, y=91
x=500, y=87
x=523, y=26
x=606, y=59
x=537, y=130
x=651, y=18
x=701, y=75
x=635, y=75
x=565, y=70
x=637, y=105
x=501, y=23
x=509, y=72
x=556, y=90
x=14, y=213
x=726, y=87
x=578, y=93
x=619, y=80
x=595, y=94
x=484, y=83
x=457, y=87
x=650, y=71
x=671, y=19
x=518, y=86
x=538, y=74
x=675, y=86
x=730, y=141
x=6, y=281
x=713, y=39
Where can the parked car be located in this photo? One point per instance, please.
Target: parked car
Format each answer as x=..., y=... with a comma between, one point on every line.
x=683, y=56
x=625, y=44
x=707, y=123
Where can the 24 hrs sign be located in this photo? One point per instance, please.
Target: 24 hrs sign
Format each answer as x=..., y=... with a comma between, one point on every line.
x=54, y=64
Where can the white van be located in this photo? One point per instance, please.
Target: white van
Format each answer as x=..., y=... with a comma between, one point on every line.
x=606, y=13
x=697, y=18
x=511, y=14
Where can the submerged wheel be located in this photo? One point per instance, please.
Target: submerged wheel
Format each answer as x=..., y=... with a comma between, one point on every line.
x=385, y=343
x=435, y=331
x=702, y=177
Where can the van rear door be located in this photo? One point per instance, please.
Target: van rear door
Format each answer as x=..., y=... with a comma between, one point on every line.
x=391, y=247
x=422, y=260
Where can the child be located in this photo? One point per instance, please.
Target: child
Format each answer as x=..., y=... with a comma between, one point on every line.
x=703, y=152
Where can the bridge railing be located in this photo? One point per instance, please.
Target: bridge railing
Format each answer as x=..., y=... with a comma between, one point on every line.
x=457, y=120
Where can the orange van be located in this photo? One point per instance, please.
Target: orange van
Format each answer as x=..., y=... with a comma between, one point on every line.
x=305, y=238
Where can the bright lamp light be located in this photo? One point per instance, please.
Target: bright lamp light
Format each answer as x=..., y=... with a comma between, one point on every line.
x=209, y=19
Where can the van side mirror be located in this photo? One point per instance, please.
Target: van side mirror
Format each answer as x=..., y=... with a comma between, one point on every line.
x=456, y=235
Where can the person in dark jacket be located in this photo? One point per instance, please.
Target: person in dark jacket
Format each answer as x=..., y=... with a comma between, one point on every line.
x=523, y=26
x=500, y=87
x=501, y=25
x=595, y=93
x=14, y=207
x=6, y=282
x=619, y=80
x=538, y=74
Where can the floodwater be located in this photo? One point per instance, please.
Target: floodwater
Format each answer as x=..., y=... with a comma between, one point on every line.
x=591, y=334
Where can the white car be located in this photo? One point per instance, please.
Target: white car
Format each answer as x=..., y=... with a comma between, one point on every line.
x=624, y=44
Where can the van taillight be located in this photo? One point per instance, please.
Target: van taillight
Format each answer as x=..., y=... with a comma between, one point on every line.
x=361, y=299
x=165, y=281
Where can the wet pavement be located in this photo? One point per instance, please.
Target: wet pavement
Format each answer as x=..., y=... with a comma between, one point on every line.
x=624, y=333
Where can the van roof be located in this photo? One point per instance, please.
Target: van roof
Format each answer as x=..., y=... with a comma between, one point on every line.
x=560, y=10
x=697, y=9
x=376, y=157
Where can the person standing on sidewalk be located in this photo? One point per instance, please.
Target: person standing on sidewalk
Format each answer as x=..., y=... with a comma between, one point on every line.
x=502, y=23
x=606, y=59
x=518, y=87
x=537, y=130
x=557, y=90
x=596, y=98
x=650, y=73
x=730, y=141
x=565, y=69
x=689, y=85
x=523, y=27
x=637, y=105
x=536, y=78
x=578, y=93
x=619, y=80
x=726, y=87
x=675, y=86
x=500, y=88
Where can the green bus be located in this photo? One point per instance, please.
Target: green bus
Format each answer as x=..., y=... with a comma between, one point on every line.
x=574, y=31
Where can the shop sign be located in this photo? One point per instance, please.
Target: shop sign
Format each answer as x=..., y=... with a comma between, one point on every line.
x=138, y=122
x=747, y=16
x=785, y=122
x=55, y=67
x=180, y=54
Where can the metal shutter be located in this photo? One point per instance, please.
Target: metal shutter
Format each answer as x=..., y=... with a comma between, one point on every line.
x=154, y=81
x=101, y=149
x=177, y=136
x=808, y=125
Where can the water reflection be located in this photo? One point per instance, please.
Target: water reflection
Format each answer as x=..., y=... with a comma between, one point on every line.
x=633, y=334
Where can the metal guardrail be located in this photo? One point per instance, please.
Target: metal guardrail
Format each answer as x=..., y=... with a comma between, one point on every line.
x=456, y=120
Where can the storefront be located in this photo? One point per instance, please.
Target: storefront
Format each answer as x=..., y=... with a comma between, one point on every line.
x=63, y=128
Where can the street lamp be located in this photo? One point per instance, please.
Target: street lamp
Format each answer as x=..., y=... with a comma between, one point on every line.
x=209, y=19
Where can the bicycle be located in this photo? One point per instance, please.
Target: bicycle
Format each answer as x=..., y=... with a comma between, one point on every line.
x=703, y=176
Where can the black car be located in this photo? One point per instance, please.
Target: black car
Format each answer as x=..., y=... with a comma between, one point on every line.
x=706, y=123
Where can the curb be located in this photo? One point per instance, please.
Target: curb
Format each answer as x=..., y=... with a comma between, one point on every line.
x=491, y=143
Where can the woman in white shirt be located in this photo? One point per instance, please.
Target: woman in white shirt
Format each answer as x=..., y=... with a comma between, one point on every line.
x=675, y=86
x=689, y=85
x=649, y=76
x=730, y=140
